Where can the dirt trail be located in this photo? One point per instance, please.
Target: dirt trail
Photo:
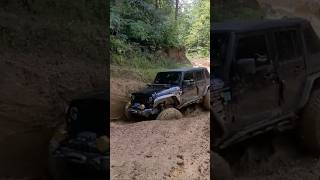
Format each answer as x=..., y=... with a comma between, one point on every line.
x=172, y=149
x=201, y=62
x=35, y=89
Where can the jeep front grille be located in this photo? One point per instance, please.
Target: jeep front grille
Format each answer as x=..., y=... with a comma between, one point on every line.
x=142, y=99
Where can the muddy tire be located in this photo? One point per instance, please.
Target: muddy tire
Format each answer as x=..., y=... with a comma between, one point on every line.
x=310, y=124
x=206, y=101
x=219, y=168
x=170, y=113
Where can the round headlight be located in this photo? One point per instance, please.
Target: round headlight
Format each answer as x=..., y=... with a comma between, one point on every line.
x=142, y=106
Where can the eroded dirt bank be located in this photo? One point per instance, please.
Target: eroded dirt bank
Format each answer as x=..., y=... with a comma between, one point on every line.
x=35, y=89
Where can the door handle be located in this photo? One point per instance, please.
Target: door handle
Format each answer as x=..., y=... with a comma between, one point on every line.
x=298, y=69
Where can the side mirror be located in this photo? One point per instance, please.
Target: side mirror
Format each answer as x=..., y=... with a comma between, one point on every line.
x=187, y=83
x=247, y=65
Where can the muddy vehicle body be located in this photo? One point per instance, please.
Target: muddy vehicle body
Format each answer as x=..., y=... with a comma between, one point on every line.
x=80, y=147
x=177, y=88
x=265, y=77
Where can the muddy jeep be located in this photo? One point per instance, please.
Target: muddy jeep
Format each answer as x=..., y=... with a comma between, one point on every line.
x=171, y=91
x=265, y=77
x=79, y=149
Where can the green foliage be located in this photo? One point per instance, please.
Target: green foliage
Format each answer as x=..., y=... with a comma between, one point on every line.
x=143, y=64
x=197, y=26
x=141, y=31
x=139, y=21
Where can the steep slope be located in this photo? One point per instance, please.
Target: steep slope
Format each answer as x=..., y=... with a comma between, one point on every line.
x=45, y=60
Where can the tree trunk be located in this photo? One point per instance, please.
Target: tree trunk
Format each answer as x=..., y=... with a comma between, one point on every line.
x=177, y=9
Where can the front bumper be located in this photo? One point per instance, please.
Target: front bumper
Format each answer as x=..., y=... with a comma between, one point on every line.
x=145, y=112
x=89, y=160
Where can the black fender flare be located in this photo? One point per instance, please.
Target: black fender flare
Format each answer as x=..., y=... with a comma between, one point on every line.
x=217, y=121
x=162, y=99
x=310, y=84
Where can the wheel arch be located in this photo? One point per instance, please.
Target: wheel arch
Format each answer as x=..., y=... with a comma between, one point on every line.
x=312, y=83
x=219, y=129
x=162, y=99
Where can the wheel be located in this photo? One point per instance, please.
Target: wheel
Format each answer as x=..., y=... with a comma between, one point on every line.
x=170, y=113
x=206, y=101
x=310, y=124
x=220, y=168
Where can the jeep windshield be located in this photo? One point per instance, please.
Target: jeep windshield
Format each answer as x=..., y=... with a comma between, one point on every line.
x=220, y=45
x=168, y=78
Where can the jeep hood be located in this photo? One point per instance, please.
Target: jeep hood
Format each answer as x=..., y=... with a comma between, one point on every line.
x=157, y=90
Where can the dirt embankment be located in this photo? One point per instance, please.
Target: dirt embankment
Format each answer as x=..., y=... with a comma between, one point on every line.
x=172, y=149
x=120, y=90
x=35, y=89
x=48, y=56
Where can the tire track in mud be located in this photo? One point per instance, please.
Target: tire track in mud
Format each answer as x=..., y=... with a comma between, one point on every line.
x=171, y=149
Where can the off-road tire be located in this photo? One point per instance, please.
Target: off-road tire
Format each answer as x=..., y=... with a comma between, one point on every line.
x=169, y=113
x=219, y=168
x=206, y=101
x=310, y=124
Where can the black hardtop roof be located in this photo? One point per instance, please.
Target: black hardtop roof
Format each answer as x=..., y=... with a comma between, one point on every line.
x=256, y=25
x=184, y=69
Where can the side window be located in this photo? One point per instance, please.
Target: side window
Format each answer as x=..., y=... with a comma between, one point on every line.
x=199, y=76
x=312, y=40
x=253, y=47
x=188, y=76
x=288, y=45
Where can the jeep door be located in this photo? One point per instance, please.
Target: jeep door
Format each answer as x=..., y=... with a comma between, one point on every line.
x=200, y=82
x=291, y=68
x=189, y=90
x=254, y=80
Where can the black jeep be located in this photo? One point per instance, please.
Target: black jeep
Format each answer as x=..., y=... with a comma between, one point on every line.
x=171, y=91
x=265, y=77
x=79, y=149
